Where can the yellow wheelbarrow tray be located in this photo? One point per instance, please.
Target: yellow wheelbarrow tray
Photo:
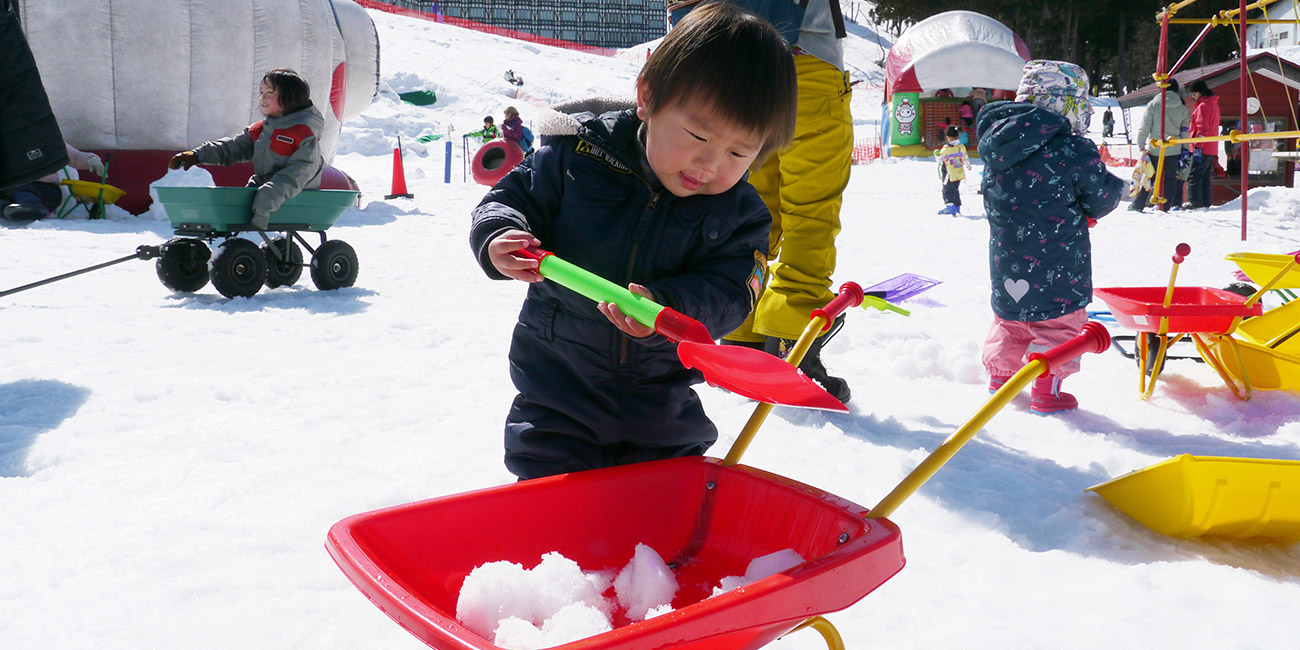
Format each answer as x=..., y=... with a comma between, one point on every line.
x=1214, y=497
x=88, y=191
x=1263, y=267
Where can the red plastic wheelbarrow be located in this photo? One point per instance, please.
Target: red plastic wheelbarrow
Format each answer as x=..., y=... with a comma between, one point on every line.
x=1168, y=313
x=707, y=518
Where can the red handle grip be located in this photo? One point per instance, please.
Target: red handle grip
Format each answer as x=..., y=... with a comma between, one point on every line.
x=1181, y=252
x=1092, y=338
x=533, y=253
x=850, y=295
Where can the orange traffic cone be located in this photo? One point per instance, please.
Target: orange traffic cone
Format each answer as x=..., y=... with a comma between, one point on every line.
x=399, y=176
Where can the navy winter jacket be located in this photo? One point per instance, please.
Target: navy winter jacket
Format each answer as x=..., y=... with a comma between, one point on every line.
x=592, y=200
x=1041, y=185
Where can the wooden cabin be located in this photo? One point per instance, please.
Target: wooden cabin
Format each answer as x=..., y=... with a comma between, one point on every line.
x=1275, y=83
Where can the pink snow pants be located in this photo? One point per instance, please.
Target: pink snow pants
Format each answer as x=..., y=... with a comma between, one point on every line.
x=1010, y=341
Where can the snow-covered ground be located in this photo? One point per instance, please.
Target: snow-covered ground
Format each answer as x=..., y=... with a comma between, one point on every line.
x=170, y=464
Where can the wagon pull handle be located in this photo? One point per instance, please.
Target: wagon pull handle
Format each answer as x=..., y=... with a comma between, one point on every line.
x=143, y=252
x=1092, y=338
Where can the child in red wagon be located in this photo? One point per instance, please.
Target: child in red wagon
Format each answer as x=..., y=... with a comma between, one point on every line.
x=283, y=147
x=652, y=197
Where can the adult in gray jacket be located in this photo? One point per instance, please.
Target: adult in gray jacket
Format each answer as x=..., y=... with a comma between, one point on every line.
x=283, y=147
x=1176, y=124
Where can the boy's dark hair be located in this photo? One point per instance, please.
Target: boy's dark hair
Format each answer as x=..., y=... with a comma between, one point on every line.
x=295, y=94
x=952, y=131
x=734, y=62
x=488, y=120
x=1173, y=86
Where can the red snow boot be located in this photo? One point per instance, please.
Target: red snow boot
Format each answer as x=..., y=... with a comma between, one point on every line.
x=1046, y=396
x=996, y=381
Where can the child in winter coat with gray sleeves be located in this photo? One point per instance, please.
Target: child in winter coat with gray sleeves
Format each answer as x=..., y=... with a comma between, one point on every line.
x=283, y=147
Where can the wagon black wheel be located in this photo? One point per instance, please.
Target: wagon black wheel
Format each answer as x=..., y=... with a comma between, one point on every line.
x=238, y=268
x=284, y=269
x=183, y=264
x=334, y=266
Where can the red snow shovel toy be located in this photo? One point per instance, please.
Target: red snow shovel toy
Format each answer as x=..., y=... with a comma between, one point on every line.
x=745, y=371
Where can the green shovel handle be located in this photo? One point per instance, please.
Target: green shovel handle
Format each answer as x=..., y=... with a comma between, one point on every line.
x=664, y=320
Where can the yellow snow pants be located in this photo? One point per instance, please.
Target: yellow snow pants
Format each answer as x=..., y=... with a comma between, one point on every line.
x=802, y=187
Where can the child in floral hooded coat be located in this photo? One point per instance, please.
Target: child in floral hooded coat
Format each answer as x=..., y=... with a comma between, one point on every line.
x=1045, y=184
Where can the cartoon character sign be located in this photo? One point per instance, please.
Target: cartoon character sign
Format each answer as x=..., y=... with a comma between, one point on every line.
x=905, y=114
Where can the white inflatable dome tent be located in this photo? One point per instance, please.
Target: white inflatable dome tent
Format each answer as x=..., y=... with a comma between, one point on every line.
x=954, y=50
x=142, y=79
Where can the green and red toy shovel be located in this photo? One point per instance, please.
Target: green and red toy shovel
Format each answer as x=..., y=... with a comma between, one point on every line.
x=745, y=371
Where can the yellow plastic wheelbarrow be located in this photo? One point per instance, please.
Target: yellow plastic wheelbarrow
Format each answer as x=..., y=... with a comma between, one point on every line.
x=94, y=195
x=1201, y=496
x=1262, y=352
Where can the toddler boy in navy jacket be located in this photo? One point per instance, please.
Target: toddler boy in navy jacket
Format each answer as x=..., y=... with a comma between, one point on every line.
x=652, y=197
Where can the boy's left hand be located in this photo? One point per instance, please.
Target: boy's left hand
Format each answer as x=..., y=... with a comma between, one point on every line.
x=625, y=323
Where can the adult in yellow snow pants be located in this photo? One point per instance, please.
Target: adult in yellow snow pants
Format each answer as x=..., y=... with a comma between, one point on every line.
x=802, y=187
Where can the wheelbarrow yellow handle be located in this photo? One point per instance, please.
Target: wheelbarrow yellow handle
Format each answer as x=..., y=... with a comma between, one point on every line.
x=1180, y=253
x=1093, y=338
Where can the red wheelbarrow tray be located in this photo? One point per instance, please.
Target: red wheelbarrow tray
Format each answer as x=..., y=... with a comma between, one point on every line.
x=1190, y=310
x=225, y=209
x=706, y=520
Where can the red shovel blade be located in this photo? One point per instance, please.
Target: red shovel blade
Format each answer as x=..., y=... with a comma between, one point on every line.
x=757, y=375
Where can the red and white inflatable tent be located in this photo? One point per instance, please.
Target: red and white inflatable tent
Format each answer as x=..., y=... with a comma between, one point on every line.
x=955, y=49
x=142, y=79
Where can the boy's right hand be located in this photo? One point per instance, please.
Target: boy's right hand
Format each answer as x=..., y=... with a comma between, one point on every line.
x=501, y=254
x=184, y=159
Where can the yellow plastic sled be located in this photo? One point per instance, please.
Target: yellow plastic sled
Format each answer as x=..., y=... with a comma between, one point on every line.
x=1203, y=496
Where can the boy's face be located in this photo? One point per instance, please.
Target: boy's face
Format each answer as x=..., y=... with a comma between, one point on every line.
x=692, y=151
x=269, y=100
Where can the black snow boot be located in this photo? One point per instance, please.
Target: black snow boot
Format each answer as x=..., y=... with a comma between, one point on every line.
x=811, y=364
x=23, y=212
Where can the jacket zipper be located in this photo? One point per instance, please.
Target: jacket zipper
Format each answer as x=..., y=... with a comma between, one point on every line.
x=625, y=342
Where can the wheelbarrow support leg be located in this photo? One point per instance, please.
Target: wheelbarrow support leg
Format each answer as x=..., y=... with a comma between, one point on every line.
x=828, y=631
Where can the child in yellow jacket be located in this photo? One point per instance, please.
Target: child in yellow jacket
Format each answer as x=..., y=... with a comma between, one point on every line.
x=953, y=164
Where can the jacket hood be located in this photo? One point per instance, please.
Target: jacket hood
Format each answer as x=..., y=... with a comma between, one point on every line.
x=565, y=119
x=1010, y=132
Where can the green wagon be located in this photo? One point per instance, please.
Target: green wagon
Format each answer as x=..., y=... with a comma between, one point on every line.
x=239, y=267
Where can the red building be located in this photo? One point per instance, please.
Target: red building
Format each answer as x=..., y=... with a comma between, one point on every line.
x=1275, y=83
